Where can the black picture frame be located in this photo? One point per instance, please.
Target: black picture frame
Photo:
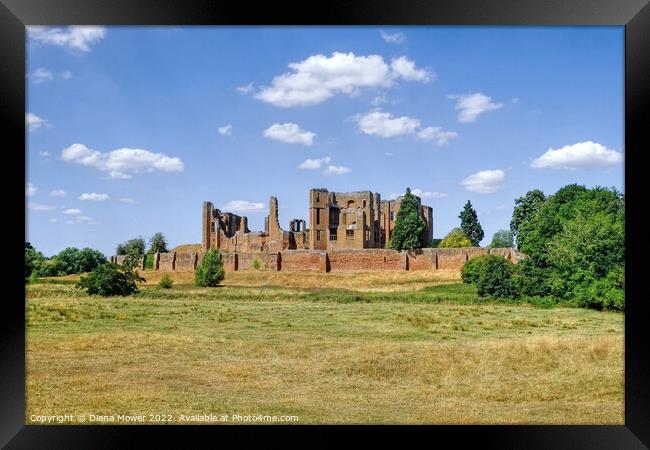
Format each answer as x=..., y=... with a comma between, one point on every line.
x=633, y=14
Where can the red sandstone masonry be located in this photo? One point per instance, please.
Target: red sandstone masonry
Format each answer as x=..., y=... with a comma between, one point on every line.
x=313, y=260
x=366, y=259
x=424, y=259
x=450, y=258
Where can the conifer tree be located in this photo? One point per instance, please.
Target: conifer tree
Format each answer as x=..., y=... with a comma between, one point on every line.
x=409, y=224
x=470, y=225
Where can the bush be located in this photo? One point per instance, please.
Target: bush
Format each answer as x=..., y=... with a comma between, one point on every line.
x=455, y=239
x=110, y=280
x=166, y=282
x=148, y=261
x=494, y=276
x=471, y=270
x=209, y=272
x=256, y=263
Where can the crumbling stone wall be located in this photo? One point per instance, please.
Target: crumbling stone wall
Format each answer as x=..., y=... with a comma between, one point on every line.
x=450, y=258
x=267, y=261
x=423, y=259
x=185, y=262
x=166, y=261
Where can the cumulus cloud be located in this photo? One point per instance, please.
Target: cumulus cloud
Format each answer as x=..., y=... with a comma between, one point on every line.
x=94, y=197
x=72, y=212
x=225, y=130
x=385, y=125
x=336, y=170
x=79, y=38
x=34, y=122
x=246, y=89
x=314, y=164
x=30, y=189
x=289, y=133
x=123, y=162
x=127, y=200
x=44, y=154
x=406, y=69
x=319, y=78
x=58, y=193
x=437, y=134
x=80, y=218
x=471, y=106
x=41, y=75
x=243, y=206
x=66, y=75
x=393, y=38
x=583, y=155
x=485, y=181
x=428, y=194
x=40, y=206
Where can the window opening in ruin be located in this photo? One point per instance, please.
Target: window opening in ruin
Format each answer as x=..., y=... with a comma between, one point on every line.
x=349, y=234
x=392, y=215
x=318, y=235
x=333, y=234
x=317, y=216
x=364, y=203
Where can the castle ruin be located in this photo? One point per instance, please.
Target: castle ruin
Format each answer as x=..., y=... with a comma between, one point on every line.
x=337, y=220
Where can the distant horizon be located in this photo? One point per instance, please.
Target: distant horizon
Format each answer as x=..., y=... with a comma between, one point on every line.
x=130, y=129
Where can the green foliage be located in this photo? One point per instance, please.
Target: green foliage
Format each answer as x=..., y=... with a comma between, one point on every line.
x=158, y=243
x=470, y=225
x=576, y=247
x=166, y=282
x=67, y=262
x=256, y=263
x=435, y=242
x=148, y=261
x=209, y=273
x=470, y=271
x=133, y=259
x=493, y=276
x=502, y=238
x=136, y=245
x=525, y=209
x=34, y=260
x=409, y=225
x=455, y=239
x=110, y=280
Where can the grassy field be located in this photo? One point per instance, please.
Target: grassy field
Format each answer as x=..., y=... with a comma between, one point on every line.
x=410, y=347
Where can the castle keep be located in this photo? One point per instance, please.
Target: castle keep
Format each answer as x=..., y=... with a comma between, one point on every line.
x=337, y=220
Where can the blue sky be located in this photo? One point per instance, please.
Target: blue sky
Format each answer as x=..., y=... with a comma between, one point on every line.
x=130, y=129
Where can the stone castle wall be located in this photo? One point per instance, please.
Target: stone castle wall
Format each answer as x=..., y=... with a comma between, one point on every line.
x=334, y=260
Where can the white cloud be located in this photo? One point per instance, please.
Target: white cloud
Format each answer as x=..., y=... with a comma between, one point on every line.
x=436, y=133
x=54, y=220
x=583, y=155
x=127, y=200
x=40, y=207
x=336, y=170
x=406, y=69
x=246, y=89
x=30, y=189
x=393, y=38
x=225, y=130
x=122, y=162
x=44, y=154
x=243, y=206
x=485, y=181
x=74, y=37
x=94, y=197
x=41, y=75
x=473, y=105
x=66, y=75
x=319, y=78
x=314, y=164
x=384, y=124
x=34, y=122
x=82, y=219
x=289, y=133
x=72, y=212
x=58, y=193
x=427, y=194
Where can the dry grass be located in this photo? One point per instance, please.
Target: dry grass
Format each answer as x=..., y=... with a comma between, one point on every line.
x=325, y=362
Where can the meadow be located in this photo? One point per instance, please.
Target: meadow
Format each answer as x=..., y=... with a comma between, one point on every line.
x=402, y=347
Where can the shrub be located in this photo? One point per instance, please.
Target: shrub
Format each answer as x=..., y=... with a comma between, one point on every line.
x=209, y=272
x=256, y=263
x=110, y=280
x=148, y=261
x=471, y=270
x=494, y=276
x=166, y=282
x=454, y=239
